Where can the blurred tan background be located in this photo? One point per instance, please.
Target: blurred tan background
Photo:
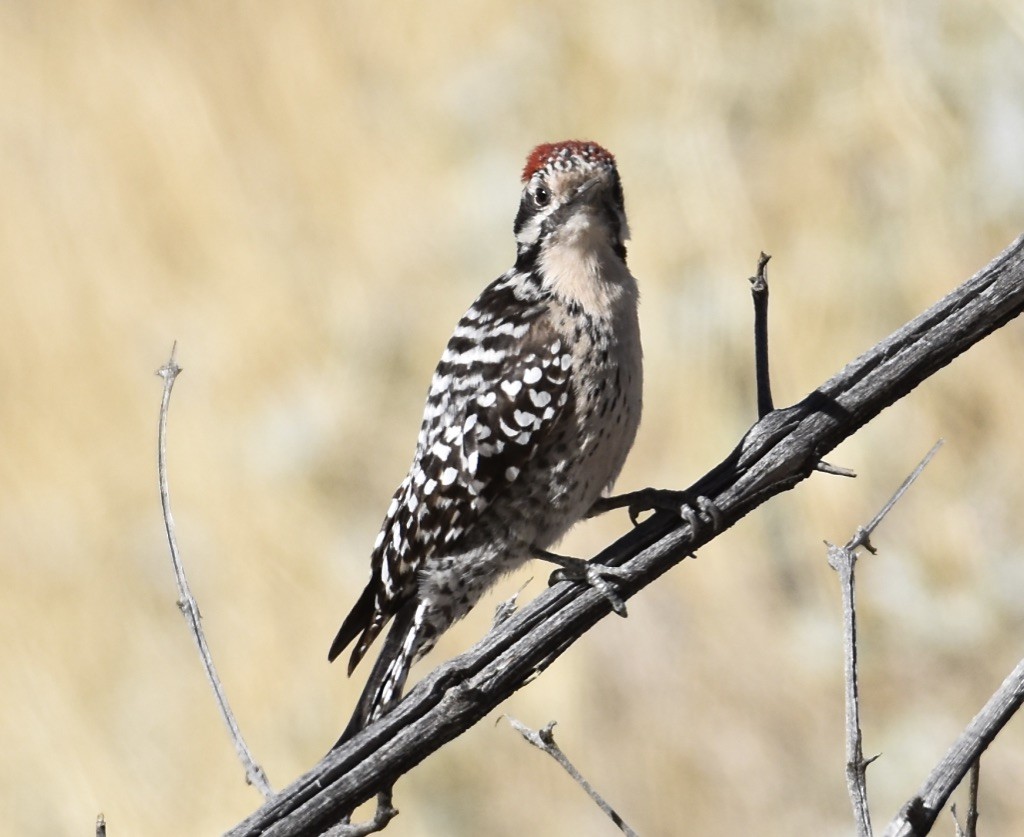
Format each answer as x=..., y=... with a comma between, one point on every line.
x=306, y=197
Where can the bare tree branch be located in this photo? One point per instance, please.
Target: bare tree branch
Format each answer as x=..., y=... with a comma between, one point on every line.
x=843, y=560
x=544, y=739
x=254, y=774
x=918, y=815
x=781, y=450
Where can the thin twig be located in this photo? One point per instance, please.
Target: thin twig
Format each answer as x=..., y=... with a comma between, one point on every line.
x=972, y=800
x=544, y=739
x=254, y=774
x=506, y=609
x=759, y=290
x=843, y=561
x=863, y=536
x=762, y=371
x=835, y=470
x=956, y=821
x=971, y=828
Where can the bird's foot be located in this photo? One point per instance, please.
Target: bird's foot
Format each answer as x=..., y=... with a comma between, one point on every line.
x=698, y=510
x=594, y=575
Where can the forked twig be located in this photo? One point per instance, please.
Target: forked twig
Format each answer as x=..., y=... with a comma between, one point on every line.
x=254, y=774
x=843, y=560
x=544, y=739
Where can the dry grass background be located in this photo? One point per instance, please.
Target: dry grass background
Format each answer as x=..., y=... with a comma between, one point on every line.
x=306, y=197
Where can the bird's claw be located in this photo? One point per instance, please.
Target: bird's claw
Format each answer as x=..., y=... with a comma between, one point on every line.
x=591, y=574
x=698, y=511
x=594, y=575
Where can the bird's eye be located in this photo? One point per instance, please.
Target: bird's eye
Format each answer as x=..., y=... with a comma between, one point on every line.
x=541, y=196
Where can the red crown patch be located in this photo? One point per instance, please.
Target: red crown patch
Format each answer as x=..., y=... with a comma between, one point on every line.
x=564, y=155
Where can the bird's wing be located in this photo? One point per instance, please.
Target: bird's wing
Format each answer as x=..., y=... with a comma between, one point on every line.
x=501, y=388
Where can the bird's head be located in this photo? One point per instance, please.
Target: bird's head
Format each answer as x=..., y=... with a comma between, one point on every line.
x=572, y=196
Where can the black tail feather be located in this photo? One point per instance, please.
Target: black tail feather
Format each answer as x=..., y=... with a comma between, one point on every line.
x=387, y=678
x=355, y=623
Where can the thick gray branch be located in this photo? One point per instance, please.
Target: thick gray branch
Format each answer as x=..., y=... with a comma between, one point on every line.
x=777, y=453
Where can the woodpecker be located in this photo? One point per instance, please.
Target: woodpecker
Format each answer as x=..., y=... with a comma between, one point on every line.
x=531, y=412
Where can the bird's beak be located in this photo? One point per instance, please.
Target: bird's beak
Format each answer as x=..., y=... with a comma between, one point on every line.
x=584, y=188
x=595, y=193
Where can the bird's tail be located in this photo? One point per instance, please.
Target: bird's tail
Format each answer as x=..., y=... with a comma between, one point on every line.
x=387, y=678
